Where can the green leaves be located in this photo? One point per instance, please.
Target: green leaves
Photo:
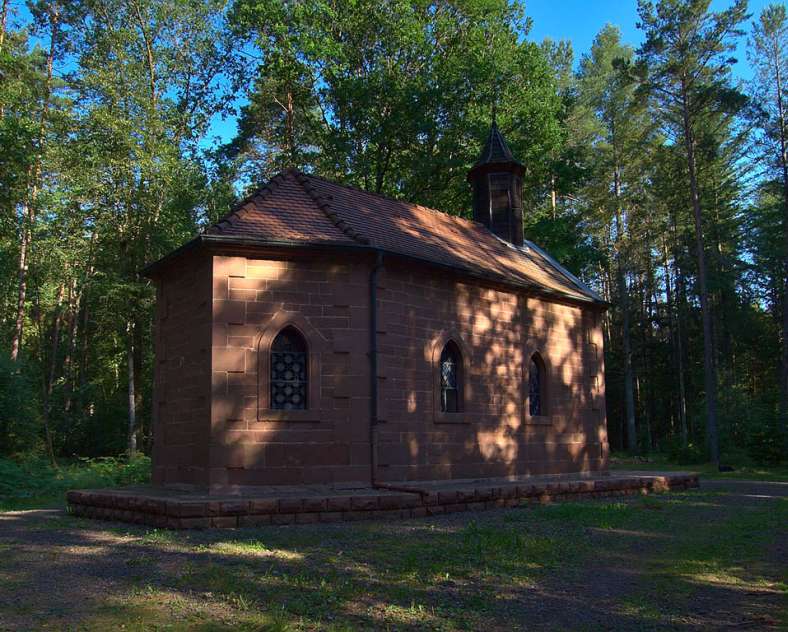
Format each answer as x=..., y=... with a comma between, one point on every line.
x=394, y=98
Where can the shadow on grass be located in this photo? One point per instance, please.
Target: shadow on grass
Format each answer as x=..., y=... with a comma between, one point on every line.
x=683, y=560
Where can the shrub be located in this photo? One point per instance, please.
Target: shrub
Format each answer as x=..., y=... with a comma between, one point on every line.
x=765, y=442
x=34, y=477
x=691, y=454
x=20, y=422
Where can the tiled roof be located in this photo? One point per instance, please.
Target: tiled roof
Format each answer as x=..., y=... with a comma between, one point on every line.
x=281, y=211
x=296, y=207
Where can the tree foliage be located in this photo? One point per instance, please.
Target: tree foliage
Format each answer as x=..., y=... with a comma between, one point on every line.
x=651, y=173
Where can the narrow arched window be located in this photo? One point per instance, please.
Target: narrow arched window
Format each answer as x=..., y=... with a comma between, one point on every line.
x=450, y=368
x=289, y=371
x=536, y=377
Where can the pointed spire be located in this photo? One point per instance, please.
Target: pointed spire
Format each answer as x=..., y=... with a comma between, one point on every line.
x=496, y=179
x=496, y=152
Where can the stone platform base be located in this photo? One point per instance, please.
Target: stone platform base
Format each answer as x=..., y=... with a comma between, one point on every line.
x=171, y=509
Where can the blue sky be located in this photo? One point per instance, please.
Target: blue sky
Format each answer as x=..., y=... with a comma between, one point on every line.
x=580, y=20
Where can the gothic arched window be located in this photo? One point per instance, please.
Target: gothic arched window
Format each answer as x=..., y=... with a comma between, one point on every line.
x=450, y=368
x=536, y=386
x=289, y=371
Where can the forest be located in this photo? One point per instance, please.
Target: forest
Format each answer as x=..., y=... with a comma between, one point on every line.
x=653, y=173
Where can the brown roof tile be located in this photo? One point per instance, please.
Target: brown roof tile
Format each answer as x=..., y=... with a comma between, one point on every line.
x=283, y=210
x=297, y=207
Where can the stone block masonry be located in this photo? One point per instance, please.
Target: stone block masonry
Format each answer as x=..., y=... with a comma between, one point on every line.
x=215, y=427
x=157, y=507
x=371, y=292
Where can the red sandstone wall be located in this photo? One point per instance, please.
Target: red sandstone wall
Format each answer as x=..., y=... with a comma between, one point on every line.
x=182, y=375
x=499, y=330
x=327, y=299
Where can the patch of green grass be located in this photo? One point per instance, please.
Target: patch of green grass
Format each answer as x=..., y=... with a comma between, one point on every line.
x=32, y=483
x=744, y=471
x=160, y=611
x=159, y=536
x=667, y=553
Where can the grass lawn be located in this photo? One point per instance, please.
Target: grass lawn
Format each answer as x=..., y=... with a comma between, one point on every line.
x=708, y=471
x=693, y=560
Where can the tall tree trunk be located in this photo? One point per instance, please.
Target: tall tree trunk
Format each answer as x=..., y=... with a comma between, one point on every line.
x=28, y=218
x=681, y=337
x=709, y=367
x=83, y=356
x=132, y=425
x=784, y=165
x=3, y=22
x=649, y=309
x=675, y=344
x=629, y=395
x=644, y=380
x=28, y=213
x=149, y=57
x=80, y=312
x=74, y=301
x=50, y=380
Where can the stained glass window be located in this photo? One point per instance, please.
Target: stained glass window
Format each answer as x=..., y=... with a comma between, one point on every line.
x=288, y=371
x=450, y=368
x=535, y=378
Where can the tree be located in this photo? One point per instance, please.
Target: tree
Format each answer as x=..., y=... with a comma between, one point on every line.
x=769, y=57
x=687, y=68
x=622, y=131
x=394, y=98
x=149, y=75
x=49, y=20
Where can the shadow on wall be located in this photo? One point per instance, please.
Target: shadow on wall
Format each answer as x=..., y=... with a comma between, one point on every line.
x=494, y=434
x=326, y=298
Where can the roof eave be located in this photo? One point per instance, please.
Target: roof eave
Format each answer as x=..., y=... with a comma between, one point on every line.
x=150, y=270
x=257, y=242
x=490, y=167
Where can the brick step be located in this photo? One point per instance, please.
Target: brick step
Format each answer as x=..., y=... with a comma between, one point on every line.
x=187, y=510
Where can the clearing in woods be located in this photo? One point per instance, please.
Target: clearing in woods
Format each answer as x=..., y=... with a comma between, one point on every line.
x=713, y=558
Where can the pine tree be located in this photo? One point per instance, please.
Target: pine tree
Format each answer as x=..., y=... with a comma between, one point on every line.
x=769, y=57
x=685, y=56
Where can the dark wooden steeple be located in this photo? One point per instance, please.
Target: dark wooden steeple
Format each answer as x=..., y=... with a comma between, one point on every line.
x=497, y=189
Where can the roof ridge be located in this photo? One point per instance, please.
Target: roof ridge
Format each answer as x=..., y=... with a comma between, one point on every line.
x=235, y=211
x=325, y=206
x=392, y=199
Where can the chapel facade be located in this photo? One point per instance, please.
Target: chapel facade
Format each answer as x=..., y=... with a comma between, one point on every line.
x=321, y=334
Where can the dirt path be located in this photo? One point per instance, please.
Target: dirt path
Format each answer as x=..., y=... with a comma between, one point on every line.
x=654, y=563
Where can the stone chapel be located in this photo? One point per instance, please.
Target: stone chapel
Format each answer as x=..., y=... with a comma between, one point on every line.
x=321, y=334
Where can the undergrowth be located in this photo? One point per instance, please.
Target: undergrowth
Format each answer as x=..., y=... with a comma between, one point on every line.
x=32, y=481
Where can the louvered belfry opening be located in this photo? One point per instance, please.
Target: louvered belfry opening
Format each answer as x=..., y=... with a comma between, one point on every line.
x=497, y=189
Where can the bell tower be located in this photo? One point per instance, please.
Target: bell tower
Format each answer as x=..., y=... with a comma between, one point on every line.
x=497, y=189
